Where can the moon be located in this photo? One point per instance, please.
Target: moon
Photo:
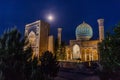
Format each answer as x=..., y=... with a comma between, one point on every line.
x=50, y=17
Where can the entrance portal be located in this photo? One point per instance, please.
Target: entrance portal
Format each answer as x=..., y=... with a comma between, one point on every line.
x=76, y=51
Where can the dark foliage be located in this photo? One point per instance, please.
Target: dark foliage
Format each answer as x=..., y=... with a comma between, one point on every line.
x=110, y=53
x=14, y=56
x=49, y=65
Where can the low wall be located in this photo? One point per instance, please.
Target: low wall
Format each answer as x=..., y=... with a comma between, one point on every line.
x=73, y=64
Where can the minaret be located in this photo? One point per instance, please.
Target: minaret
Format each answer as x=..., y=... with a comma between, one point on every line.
x=59, y=36
x=101, y=29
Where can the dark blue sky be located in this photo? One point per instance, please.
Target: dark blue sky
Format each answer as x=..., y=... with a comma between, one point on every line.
x=68, y=14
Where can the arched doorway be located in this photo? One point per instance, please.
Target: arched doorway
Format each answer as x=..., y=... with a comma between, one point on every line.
x=76, y=51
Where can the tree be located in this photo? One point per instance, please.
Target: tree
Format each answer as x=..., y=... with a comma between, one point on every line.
x=33, y=70
x=109, y=52
x=49, y=65
x=13, y=56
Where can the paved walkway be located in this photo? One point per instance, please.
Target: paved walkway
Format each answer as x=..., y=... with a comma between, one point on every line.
x=72, y=75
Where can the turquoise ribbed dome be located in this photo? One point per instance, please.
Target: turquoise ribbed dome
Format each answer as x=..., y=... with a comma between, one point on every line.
x=84, y=31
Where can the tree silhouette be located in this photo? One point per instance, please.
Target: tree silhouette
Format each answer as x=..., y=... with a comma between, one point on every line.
x=49, y=65
x=13, y=57
x=109, y=53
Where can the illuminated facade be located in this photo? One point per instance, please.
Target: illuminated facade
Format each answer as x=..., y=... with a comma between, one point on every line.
x=38, y=34
x=59, y=36
x=51, y=43
x=83, y=48
x=101, y=29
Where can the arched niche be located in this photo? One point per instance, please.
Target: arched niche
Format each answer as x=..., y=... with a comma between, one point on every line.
x=32, y=38
x=76, y=51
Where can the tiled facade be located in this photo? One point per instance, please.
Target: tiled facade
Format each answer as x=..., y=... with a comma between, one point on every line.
x=37, y=33
x=85, y=50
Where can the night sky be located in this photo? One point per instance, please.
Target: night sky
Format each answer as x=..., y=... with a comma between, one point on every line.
x=68, y=14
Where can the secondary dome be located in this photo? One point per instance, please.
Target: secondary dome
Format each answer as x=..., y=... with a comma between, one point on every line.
x=84, y=31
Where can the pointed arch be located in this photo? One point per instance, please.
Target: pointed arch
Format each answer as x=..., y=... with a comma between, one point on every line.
x=76, y=51
x=32, y=38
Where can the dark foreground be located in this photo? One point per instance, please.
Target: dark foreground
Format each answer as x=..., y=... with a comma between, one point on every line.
x=73, y=74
